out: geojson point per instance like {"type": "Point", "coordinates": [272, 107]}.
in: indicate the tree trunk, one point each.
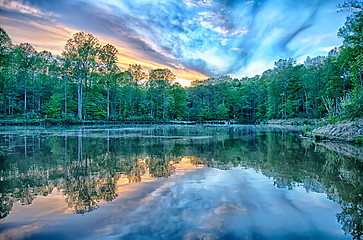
{"type": "Point", "coordinates": [285, 103]}
{"type": "Point", "coordinates": [113, 99]}
{"type": "Point", "coordinates": [33, 90]}
{"type": "Point", "coordinates": [164, 106]}
{"type": "Point", "coordinates": [307, 103]}
{"type": "Point", "coordinates": [336, 103]}
{"type": "Point", "coordinates": [4, 100]}
{"type": "Point", "coordinates": [108, 102]}
{"type": "Point", "coordinates": [282, 110]}
{"type": "Point", "coordinates": [344, 86]}
{"type": "Point", "coordinates": [25, 94]}
{"type": "Point", "coordinates": [65, 97]}
{"type": "Point", "coordinates": [85, 99]}
{"type": "Point", "coordinates": [38, 100]}
{"type": "Point", "coordinates": [11, 106]}
{"type": "Point", "coordinates": [79, 99]}
{"type": "Point", "coordinates": [130, 99]}
{"type": "Point", "coordinates": [119, 103]}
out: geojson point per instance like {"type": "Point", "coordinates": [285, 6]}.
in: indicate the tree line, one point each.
{"type": "Point", "coordinates": [85, 83]}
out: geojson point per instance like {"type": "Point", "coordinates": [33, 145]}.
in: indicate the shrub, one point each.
{"type": "Point", "coordinates": [348, 107]}
{"type": "Point", "coordinates": [359, 140]}
{"type": "Point", "coordinates": [319, 137]}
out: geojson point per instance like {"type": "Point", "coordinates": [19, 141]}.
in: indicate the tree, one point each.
{"type": "Point", "coordinates": [222, 112]}
{"type": "Point", "coordinates": [25, 58]}
{"type": "Point", "coordinates": [283, 78]}
{"type": "Point", "coordinates": [108, 56]}
{"type": "Point", "coordinates": [82, 49]}
{"type": "Point", "coordinates": [46, 66]}
{"type": "Point", "coordinates": [159, 83]}
{"type": "Point", "coordinates": [179, 103]}
{"type": "Point", "coordinates": [352, 32]}
{"type": "Point", "coordinates": [136, 76]}
{"type": "Point", "coordinates": [5, 65]}
{"type": "Point", "coordinates": [5, 49]}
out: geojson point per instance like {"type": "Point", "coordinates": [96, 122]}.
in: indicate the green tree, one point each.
{"type": "Point", "coordinates": [82, 50]}
{"type": "Point", "coordinates": [55, 106]}
{"type": "Point", "coordinates": [159, 83]}
{"type": "Point", "coordinates": [108, 56]}
{"type": "Point", "coordinates": [352, 32]}
{"type": "Point", "coordinates": [25, 58]}
{"type": "Point", "coordinates": [6, 54]}
{"type": "Point", "coordinates": [179, 103]}
{"type": "Point", "coordinates": [222, 112]}
{"type": "Point", "coordinates": [136, 76]}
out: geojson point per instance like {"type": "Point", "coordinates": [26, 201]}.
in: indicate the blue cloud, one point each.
{"type": "Point", "coordinates": [213, 37]}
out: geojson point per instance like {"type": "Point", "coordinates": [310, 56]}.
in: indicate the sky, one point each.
{"type": "Point", "coordinates": [195, 39]}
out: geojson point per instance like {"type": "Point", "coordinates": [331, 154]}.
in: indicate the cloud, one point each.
{"type": "Point", "coordinates": [21, 7]}
{"type": "Point", "coordinates": [210, 37]}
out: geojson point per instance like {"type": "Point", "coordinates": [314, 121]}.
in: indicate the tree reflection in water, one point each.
{"type": "Point", "coordinates": [85, 165]}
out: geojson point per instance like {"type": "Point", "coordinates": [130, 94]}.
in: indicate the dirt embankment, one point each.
{"type": "Point", "coordinates": [292, 121]}
{"type": "Point", "coordinates": [350, 131]}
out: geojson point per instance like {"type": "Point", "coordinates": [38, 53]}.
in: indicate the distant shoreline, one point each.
{"type": "Point", "coordinates": [69, 121]}
{"type": "Point", "coordinates": [349, 131]}
{"type": "Point", "coordinates": [59, 122]}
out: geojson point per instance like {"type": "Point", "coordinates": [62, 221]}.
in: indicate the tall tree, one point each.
{"type": "Point", "coordinates": [352, 32]}
{"type": "Point", "coordinates": [179, 103]}
{"type": "Point", "coordinates": [5, 65]}
{"type": "Point", "coordinates": [137, 75]}
{"type": "Point", "coordinates": [108, 56]}
{"type": "Point", "coordinates": [25, 58]}
{"type": "Point", "coordinates": [82, 49]}
{"type": "Point", "coordinates": [159, 83]}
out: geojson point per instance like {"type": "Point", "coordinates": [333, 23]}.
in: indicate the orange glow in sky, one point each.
{"type": "Point", "coordinates": [194, 39]}
{"type": "Point", "coordinates": [53, 39]}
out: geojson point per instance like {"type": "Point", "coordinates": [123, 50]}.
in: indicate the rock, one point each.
{"type": "Point", "coordinates": [346, 130]}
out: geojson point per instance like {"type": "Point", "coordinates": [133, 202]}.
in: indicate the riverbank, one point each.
{"type": "Point", "coordinates": [72, 121]}
{"type": "Point", "coordinates": [347, 131]}
{"type": "Point", "coordinates": [293, 122]}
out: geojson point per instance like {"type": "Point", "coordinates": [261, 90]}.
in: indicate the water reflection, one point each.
{"type": "Point", "coordinates": [87, 165]}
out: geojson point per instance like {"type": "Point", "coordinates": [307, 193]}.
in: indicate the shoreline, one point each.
{"type": "Point", "coordinates": [71, 121]}
{"type": "Point", "coordinates": [349, 131]}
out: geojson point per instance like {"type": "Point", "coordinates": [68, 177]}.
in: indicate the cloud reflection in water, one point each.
{"type": "Point", "coordinates": [218, 204]}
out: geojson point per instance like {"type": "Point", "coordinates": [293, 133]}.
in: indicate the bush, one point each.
{"type": "Point", "coordinates": [359, 140]}
{"type": "Point", "coordinates": [355, 110]}
{"type": "Point", "coordinates": [306, 122]}
{"type": "Point", "coordinates": [319, 137]}
{"type": "Point", "coordinates": [349, 107]}
{"type": "Point", "coordinates": [307, 130]}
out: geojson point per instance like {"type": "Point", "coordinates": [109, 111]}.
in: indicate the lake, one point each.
{"type": "Point", "coordinates": [177, 182]}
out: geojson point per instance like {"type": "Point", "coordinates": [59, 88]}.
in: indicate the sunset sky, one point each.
{"type": "Point", "coordinates": [196, 39]}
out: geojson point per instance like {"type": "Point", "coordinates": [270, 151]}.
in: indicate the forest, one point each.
{"type": "Point", "coordinates": [85, 83]}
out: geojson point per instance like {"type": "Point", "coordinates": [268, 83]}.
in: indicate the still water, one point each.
{"type": "Point", "coordinates": [177, 182]}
